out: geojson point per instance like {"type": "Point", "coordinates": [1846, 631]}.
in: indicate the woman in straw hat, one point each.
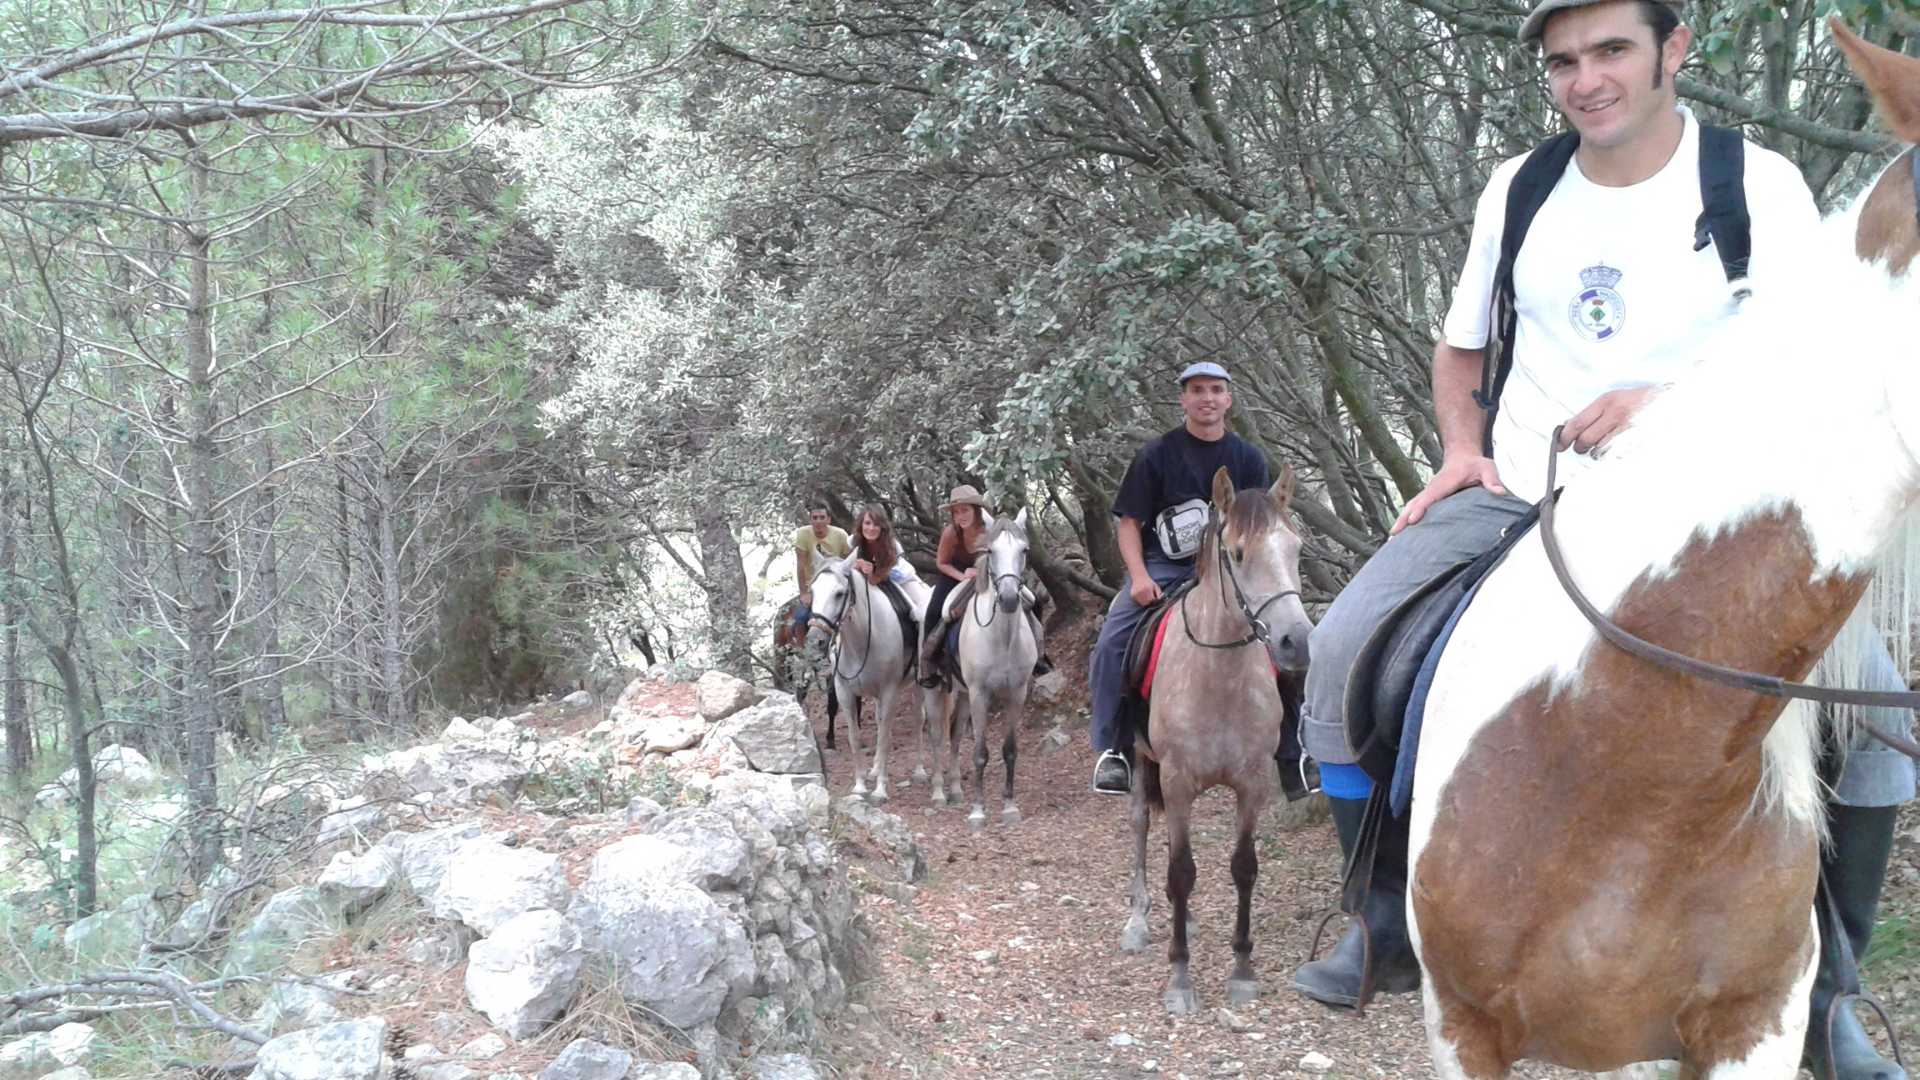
{"type": "Point", "coordinates": [961, 543]}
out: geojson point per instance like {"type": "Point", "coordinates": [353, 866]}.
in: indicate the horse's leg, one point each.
{"type": "Point", "coordinates": [853, 744]}
{"type": "Point", "coordinates": [1242, 987]}
{"type": "Point", "coordinates": [1139, 899]}
{"type": "Point", "coordinates": [955, 736]}
{"type": "Point", "coordinates": [1012, 715]}
{"type": "Point", "coordinates": [978, 701]}
{"type": "Point", "coordinates": [1179, 997]}
{"type": "Point", "coordinates": [882, 737]}
{"type": "Point", "coordinates": [925, 696]}
{"type": "Point", "coordinates": [1465, 1042]}
{"type": "Point", "coordinates": [833, 708]}
{"type": "Point", "coordinates": [936, 734]}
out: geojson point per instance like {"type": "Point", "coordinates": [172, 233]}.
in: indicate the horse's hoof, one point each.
{"type": "Point", "coordinates": [859, 790]}
{"type": "Point", "coordinates": [1133, 939]}
{"type": "Point", "coordinates": [1180, 1002]}
{"type": "Point", "coordinates": [1242, 991]}
{"type": "Point", "coordinates": [920, 773]}
{"type": "Point", "coordinates": [879, 796]}
{"type": "Point", "coordinates": [1010, 815]}
{"type": "Point", "coordinates": [977, 820]}
{"type": "Point", "coordinates": [939, 797]}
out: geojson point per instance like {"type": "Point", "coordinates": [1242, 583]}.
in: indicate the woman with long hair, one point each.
{"type": "Point", "coordinates": [875, 552]}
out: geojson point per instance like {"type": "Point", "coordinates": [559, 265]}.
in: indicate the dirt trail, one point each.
{"type": "Point", "coordinates": [1006, 962]}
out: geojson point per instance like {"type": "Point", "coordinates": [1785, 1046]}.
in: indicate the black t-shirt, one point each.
{"type": "Point", "coordinates": [1176, 467]}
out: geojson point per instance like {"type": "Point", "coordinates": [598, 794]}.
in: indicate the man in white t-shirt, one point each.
{"type": "Point", "coordinates": [1611, 301]}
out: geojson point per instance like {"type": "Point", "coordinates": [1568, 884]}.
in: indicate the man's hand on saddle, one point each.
{"type": "Point", "coordinates": [1456, 474]}
{"type": "Point", "coordinates": [972, 572]}
{"type": "Point", "coordinates": [1144, 590]}
{"type": "Point", "coordinates": [1594, 426]}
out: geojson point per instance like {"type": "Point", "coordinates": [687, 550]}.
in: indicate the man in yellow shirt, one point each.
{"type": "Point", "coordinates": [812, 543]}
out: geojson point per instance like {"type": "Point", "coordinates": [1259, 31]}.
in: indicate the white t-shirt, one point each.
{"type": "Point", "coordinates": [1608, 290]}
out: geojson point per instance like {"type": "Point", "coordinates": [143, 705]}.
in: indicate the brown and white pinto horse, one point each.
{"type": "Point", "coordinates": [1615, 863]}
{"type": "Point", "coordinates": [1215, 716]}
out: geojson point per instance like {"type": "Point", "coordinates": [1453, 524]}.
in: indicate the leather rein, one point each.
{"type": "Point", "coordinates": [1769, 685]}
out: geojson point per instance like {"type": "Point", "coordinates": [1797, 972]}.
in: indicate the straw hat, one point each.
{"type": "Point", "coordinates": [964, 495]}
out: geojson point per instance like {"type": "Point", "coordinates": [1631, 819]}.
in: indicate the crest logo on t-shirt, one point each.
{"type": "Point", "coordinates": [1598, 311]}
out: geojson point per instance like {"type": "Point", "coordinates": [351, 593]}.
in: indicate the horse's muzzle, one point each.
{"type": "Point", "coordinates": [1287, 644]}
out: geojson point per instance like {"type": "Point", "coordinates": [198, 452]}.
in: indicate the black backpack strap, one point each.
{"type": "Point", "coordinates": [1723, 203]}
{"type": "Point", "coordinates": [1531, 185]}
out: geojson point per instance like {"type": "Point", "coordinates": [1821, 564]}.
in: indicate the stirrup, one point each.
{"type": "Point", "coordinates": [1126, 765]}
{"type": "Point", "coordinates": [1839, 1002]}
{"type": "Point", "coordinates": [1365, 992]}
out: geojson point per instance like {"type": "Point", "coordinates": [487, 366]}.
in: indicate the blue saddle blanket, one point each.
{"type": "Point", "coordinates": [1393, 672]}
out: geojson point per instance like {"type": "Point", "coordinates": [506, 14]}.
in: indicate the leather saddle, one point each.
{"type": "Point", "coordinates": [909, 626]}
{"type": "Point", "coordinates": [1386, 689]}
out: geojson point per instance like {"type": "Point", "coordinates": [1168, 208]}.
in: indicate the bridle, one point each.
{"type": "Point", "coordinates": [1019, 576]}
{"type": "Point", "coordinates": [1769, 685]}
{"type": "Point", "coordinates": [833, 625]}
{"type": "Point", "coordinates": [1257, 628]}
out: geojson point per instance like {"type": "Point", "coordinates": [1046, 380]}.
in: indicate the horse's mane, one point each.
{"type": "Point", "coordinates": [1252, 514]}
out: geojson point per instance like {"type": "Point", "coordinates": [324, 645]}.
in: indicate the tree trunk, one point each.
{"type": "Point", "coordinates": [393, 645]}
{"type": "Point", "coordinates": [203, 572]}
{"type": "Point", "coordinates": [269, 691]}
{"type": "Point", "coordinates": [13, 718]}
{"type": "Point", "coordinates": [1096, 512]}
{"type": "Point", "coordinates": [73, 699]}
{"type": "Point", "coordinates": [726, 588]}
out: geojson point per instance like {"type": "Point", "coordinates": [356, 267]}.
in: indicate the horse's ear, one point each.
{"type": "Point", "coordinates": [1892, 79]}
{"type": "Point", "coordinates": [1020, 519]}
{"type": "Point", "coordinates": [1222, 489]}
{"type": "Point", "coordinates": [1282, 490]}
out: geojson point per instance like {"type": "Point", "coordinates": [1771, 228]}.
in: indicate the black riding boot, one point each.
{"type": "Point", "coordinates": [1336, 979]}
{"type": "Point", "coordinates": [1851, 871]}
{"type": "Point", "coordinates": [932, 641]}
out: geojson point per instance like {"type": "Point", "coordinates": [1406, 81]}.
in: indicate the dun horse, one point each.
{"type": "Point", "coordinates": [867, 658]}
{"type": "Point", "coordinates": [1215, 715]}
{"type": "Point", "coordinates": [1613, 862]}
{"type": "Point", "coordinates": [996, 655]}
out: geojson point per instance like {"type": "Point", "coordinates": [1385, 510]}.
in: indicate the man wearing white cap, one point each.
{"type": "Point", "coordinates": [1610, 298]}
{"type": "Point", "coordinates": [1160, 515]}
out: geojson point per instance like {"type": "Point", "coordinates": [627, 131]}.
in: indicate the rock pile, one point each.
{"type": "Point", "coordinates": [715, 903]}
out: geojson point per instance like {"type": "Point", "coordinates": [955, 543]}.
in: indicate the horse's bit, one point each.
{"type": "Point", "coordinates": [1257, 629]}
{"type": "Point", "coordinates": [1769, 685]}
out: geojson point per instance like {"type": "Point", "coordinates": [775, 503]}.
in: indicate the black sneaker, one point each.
{"type": "Point", "coordinates": [1112, 775]}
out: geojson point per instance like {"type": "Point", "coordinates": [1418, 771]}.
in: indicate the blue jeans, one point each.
{"type": "Point", "coordinates": [1107, 668]}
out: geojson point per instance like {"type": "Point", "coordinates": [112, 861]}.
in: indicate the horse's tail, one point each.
{"type": "Point", "coordinates": [1149, 780]}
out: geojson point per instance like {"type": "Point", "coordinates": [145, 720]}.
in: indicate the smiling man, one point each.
{"type": "Point", "coordinates": [1610, 299]}
{"type": "Point", "coordinates": [1159, 517]}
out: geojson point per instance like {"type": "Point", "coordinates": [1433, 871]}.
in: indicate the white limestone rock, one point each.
{"type": "Point", "coordinates": [347, 1050]}
{"type": "Point", "coordinates": [720, 695]}
{"type": "Point", "coordinates": [523, 975]}
{"type": "Point", "coordinates": [584, 1059]}
{"type": "Point", "coordinates": [488, 883]}
{"type": "Point", "coordinates": [675, 950]}
{"type": "Point", "coordinates": [774, 735]}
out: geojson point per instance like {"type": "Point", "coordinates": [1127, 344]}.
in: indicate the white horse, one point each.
{"type": "Point", "coordinates": [997, 650]}
{"type": "Point", "coordinates": [868, 656]}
